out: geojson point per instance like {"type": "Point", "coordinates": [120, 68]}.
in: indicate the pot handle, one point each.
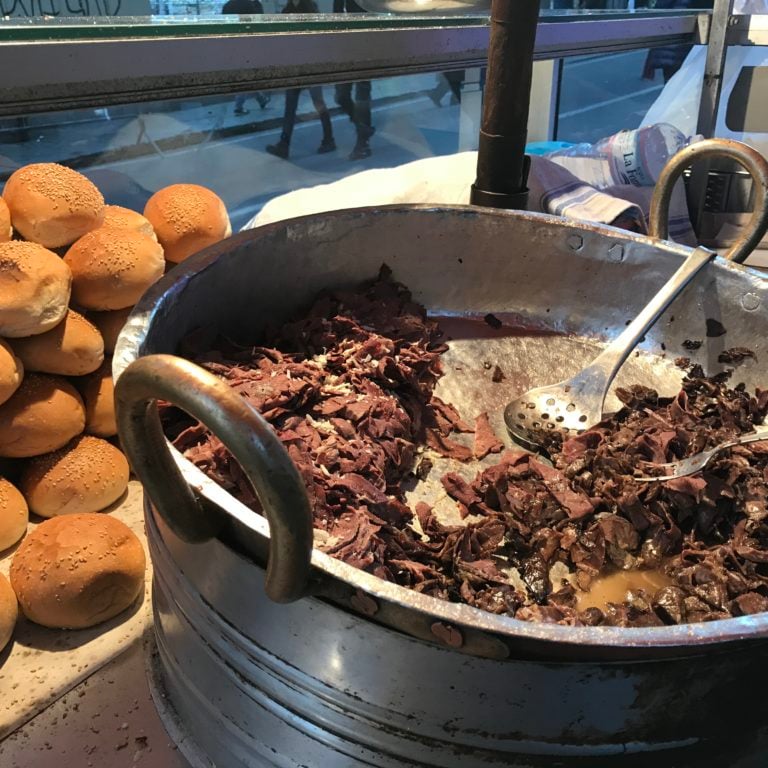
{"type": "Point", "coordinates": [750, 159]}
{"type": "Point", "coordinates": [246, 434]}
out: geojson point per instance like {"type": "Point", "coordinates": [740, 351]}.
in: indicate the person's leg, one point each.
{"type": "Point", "coordinates": [289, 117]}
{"type": "Point", "coordinates": [363, 125]}
{"type": "Point", "coordinates": [263, 99]}
{"type": "Point", "coordinates": [240, 105]}
{"type": "Point", "coordinates": [282, 147]}
{"type": "Point", "coordinates": [327, 144]}
{"type": "Point", "coordinates": [437, 93]}
{"type": "Point", "coordinates": [343, 97]}
{"type": "Point", "coordinates": [455, 80]}
{"type": "Point", "coordinates": [363, 107]}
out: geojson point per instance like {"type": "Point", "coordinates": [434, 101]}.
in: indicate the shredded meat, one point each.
{"type": "Point", "coordinates": [348, 388]}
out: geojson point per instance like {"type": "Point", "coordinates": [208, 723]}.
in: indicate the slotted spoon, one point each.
{"type": "Point", "coordinates": [699, 461]}
{"type": "Point", "coordinates": [576, 404]}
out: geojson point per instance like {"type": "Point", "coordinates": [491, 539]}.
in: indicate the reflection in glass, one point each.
{"type": "Point", "coordinates": [603, 94]}
{"type": "Point", "coordinates": [221, 142]}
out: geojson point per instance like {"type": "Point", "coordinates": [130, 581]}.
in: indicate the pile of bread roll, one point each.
{"type": "Point", "coordinates": [71, 269]}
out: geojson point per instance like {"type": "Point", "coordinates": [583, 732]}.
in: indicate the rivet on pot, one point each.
{"type": "Point", "coordinates": [447, 634]}
{"type": "Point", "coordinates": [616, 252]}
{"type": "Point", "coordinates": [575, 242]}
{"type": "Point", "coordinates": [364, 603]}
{"type": "Point", "coordinates": [750, 301]}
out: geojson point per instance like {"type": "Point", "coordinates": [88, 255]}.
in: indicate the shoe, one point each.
{"type": "Point", "coordinates": [263, 100]}
{"type": "Point", "coordinates": [435, 98]}
{"type": "Point", "coordinates": [281, 149]}
{"type": "Point", "coordinates": [327, 145]}
{"type": "Point", "coordinates": [360, 152]}
{"type": "Point", "coordinates": [242, 111]}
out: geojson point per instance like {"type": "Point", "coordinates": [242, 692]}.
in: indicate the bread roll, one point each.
{"type": "Point", "coordinates": [110, 324]}
{"type": "Point", "coordinates": [111, 268]}
{"type": "Point", "coordinates": [34, 289]}
{"type": "Point", "coordinates": [73, 348]}
{"type": "Point", "coordinates": [124, 218]}
{"type": "Point", "coordinates": [6, 230]}
{"type": "Point", "coordinates": [52, 205]}
{"type": "Point", "coordinates": [98, 393]}
{"type": "Point", "coordinates": [11, 371]}
{"type": "Point", "coordinates": [86, 475]}
{"type": "Point", "coordinates": [187, 218]}
{"type": "Point", "coordinates": [9, 611]}
{"type": "Point", "coordinates": [76, 571]}
{"type": "Point", "coordinates": [14, 514]}
{"type": "Point", "coordinates": [44, 414]}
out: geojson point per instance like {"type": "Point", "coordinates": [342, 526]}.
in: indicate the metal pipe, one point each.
{"type": "Point", "coordinates": [502, 166]}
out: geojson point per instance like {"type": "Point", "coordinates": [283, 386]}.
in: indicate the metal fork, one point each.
{"type": "Point", "coordinates": [697, 462]}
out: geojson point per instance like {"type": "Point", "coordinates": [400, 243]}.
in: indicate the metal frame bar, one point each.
{"type": "Point", "coordinates": [47, 75]}
{"type": "Point", "coordinates": [717, 50]}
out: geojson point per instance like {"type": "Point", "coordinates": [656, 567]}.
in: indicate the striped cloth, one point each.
{"type": "Point", "coordinates": [555, 189]}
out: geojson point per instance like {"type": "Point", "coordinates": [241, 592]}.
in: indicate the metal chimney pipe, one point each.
{"type": "Point", "coordinates": [502, 166]}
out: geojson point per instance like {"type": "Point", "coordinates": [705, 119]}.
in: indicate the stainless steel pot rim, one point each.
{"type": "Point", "coordinates": [129, 346]}
{"type": "Point", "coordinates": [453, 614]}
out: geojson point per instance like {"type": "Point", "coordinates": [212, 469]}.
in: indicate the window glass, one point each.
{"type": "Point", "coordinates": [243, 147]}
{"type": "Point", "coordinates": [603, 94]}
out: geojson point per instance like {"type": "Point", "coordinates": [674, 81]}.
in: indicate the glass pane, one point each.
{"type": "Point", "coordinates": [600, 95]}
{"type": "Point", "coordinates": [223, 142]}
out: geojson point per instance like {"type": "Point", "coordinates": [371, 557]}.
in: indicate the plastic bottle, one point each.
{"type": "Point", "coordinates": [629, 157]}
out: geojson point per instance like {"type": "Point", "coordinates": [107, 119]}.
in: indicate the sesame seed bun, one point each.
{"type": "Point", "coordinates": [34, 289]}
{"type": "Point", "coordinates": [11, 371]}
{"type": "Point", "coordinates": [52, 205]}
{"type": "Point", "coordinates": [73, 348]}
{"type": "Point", "coordinates": [124, 218]}
{"type": "Point", "coordinates": [86, 475]}
{"type": "Point", "coordinates": [14, 515]}
{"type": "Point", "coordinates": [9, 611]}
{"type": "Point", "coordinates": [110, 324]}
{"type": "Point", "coordinates": [187, 218]}
{"type": "Point", "coordinates": [76, 571]}
{"type": "Point", "coordinates": [6, 230]}
{"type": "Point", "coordinates": [98, 393]}
{"type": "Point", "coordinates": [44, 414]}
{"type": "Point", "coordinates": [111, 268]}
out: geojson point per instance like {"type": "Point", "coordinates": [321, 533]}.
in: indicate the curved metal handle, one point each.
{"type": "Point", "coordinates": [750, 159]}
{"type": "Point", "coordinates": [248, 437]}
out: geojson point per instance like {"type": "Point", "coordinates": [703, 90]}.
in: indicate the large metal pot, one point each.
{"type": "Point", "coordinates": [360, 672]}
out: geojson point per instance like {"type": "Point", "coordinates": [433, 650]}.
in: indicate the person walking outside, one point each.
{"type": "Point", "coordinates": [246, 8]}
{"type": "Point", "coordinates": [283, 147]}
{"type": "Point", "coordinates": [358, 109]}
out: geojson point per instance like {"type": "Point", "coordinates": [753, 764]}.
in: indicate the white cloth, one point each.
{"type": "Point", "coordinates": [437, 180]}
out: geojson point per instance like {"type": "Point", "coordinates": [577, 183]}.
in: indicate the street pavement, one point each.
{"type": "Point", "coordinates": [133, 150]}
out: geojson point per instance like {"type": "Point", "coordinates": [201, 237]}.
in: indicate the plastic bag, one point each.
{"type": "Point", "coordinates": [678, 103]}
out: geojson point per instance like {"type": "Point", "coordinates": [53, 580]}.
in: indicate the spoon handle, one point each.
{"type": "Point", "coordinates": [613, 356]}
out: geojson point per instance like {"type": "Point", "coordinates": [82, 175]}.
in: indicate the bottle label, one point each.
{"type": "Point", "coordinates": [627, 160]}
